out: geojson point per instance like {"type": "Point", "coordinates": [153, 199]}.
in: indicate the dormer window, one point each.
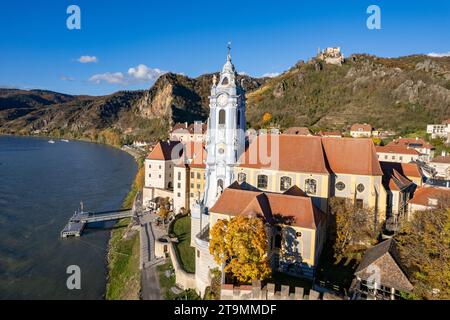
{"type": "Point", "coordinates": [432, 202]}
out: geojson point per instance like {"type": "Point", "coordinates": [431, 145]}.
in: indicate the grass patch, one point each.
{"type": "Point", "coordinates": [124, 275]}
{"type": "Point", "coordinates": [166, 283]}
{"type": "Point", "coordinates": [186, 254]}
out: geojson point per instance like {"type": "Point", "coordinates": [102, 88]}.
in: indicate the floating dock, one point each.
{"type": "Point", "coordinates": [77, 223]}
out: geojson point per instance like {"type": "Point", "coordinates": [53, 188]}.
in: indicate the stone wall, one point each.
{"type": "Point", "coordinates": [183, 279]}
{"type": "Point", "coordinates": [258, 292]}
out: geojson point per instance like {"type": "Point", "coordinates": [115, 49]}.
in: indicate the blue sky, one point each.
{"type": "Point", "coordinates": [190, 37]}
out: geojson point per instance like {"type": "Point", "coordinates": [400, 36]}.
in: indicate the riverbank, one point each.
{"type": "Point", "coordinates": [123, 282]}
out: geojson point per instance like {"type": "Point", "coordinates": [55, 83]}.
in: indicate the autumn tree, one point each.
{"type": "Point", "coordinates": [241, 245]}
{"type": "Point", "coordinates": [354, 227]}
{"type": "Point", "coordinates": [266, 118]}
{"type": "Point", "coordinates": [424, 246]}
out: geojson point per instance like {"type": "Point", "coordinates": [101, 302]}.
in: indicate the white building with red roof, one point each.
{"type": "Point", "coordinates": [397, 153]}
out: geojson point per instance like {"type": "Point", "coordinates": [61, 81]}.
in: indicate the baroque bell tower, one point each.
{"type": "Point", "coordinates": [225, 140]}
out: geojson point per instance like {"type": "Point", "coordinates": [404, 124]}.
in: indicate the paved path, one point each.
{"type": "Point", "coordinates": [150, 289]}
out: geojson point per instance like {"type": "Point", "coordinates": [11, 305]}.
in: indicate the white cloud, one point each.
{"type": "Point", "coordinates": [66, 78]}
{"type": "Point", "coordinates": [113, 78]}
{"type": "Point", "coordinates": [87, 59]}
{"type": "Point", "coordinates": [143, 73]}
{"type": "Point", "coordinates": [439, 55]}
{"type": "Point", "coordinates": [270, 75]}
{"type": "Point", "coordinates": [138, 74]}
{"type": "Point", "coordinates": [243, 73]}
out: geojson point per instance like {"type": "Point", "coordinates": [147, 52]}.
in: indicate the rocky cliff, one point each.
{"type": "Point", "coordinates": [401, 94]}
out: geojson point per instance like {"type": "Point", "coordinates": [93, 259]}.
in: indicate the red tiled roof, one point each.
{"type": "Point", "coordinates": [185, 128]}
{"type": "Point", "coordinates": [396, 149]}
{"type": "Point", "coordinates": [313, 154]}
{"type": "Point", "coordinates": [291, 153]}
{"type": "Point", "coordinates": [274, 207]}
{"type": "Point", "coordinates": [352, 156]}
{"type": "Point", "coordinates": [441, 159]}
{"type": "Point", "coordinates": [330, 134]}
{"type": "Point", "coordinates": [409, 170]}
{"type": "Point", "coordinates": [301, 131]}
{"type": "Point", "coordinates": [423, 194]}
{"type": "Point", "coordinates": [163, 151]}
{"type": "Point", "coordinates": [361, 127]}
{"type": "Point", "coordinates": [411, 142]}
{"type": "Point", "coordinates": [194, 155]}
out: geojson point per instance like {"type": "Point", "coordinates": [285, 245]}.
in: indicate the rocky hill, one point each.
{"type": "Point", "coordinates": [401, 94]}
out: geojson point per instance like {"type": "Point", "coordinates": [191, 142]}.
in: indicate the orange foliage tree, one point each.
{"type": "Point", "coordinates": [267, 117]}
{"type": "Point", "coordinates": [241, 244]}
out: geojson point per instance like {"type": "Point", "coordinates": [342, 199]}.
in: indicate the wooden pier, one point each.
{"type": "Point", "coordinates": [77, 223]}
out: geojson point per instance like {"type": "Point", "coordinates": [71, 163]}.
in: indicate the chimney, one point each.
{"type": "Point", "coordinates": [186, 124]}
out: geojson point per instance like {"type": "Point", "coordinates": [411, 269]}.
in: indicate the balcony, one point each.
{"type": "Point", "coordinates": [202, 238]}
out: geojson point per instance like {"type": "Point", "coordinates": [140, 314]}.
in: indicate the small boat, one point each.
{"type": "Point", "coordinates": [51, 141]}
{"type": "Point", "coordinates": [64, 140]}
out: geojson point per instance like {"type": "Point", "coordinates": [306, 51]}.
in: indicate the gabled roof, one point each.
{"type": "Point", "coordinates": [398, 182]}
{"type": "Point", "coordinates": [163, 151]}
{"type": "Point", "coordinates": [295, 191]}
{"type": "Point", "coordinates": [424, 194]}
{"type": "Point", "coordinates": [352, 156]}
{"type": "Point", "coordinates": [384, 257]}
{"type": "Point", "coordinates": [274, 207]}
{"type": "Point", "coordinates": [409, 170]}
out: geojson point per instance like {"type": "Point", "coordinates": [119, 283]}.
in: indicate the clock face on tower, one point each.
{"type": "Point", "coordinates": [222, 99]}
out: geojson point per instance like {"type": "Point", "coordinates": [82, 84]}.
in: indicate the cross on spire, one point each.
{"type": "Point", "coordinates": [229, 50]}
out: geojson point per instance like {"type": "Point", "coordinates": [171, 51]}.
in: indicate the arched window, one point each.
{"type": "Point", "coordinates": [220, 183]}
{"type": "Point", "coordinates": [225, 81]}
{"type": "Point", "coordinates": [222, 116]}
{"type": "Point", "coordinates": [310, 186]}
{"type": "Point", "coordinates": [242, 177]}
{"type": "Point", "coordinates": [285, 183]}
{"type": "Point", "coordinates": [262, 181]}
{"type": "Point", "coordinates": [169, 185]}
{"type": "Point", "coordinates": [278, 241]}
{"type": "Point", "coordinates": [238, 118]}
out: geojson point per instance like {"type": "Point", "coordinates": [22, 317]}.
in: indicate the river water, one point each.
{"type": "Point", "coordinates": [41, 185]}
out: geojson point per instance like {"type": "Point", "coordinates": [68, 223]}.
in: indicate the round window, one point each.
{"type": "Point", "coordinates": [340, 186]}
{"type": "Point", "coordinates": [360, 187]}
{"type": "Point", "coordinates": [221, 151]}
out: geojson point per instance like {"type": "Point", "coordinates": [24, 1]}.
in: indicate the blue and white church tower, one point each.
{"type": "Point", "coordinates": [225, 142]}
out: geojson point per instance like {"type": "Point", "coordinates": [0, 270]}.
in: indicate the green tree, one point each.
{"type": "Point", "coordinates": [355, 228]}
{"type": "Point", "coordinates": [424, 245]}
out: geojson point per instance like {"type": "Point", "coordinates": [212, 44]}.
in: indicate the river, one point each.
{"type": "Point", "coordinates": [41, 185]}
